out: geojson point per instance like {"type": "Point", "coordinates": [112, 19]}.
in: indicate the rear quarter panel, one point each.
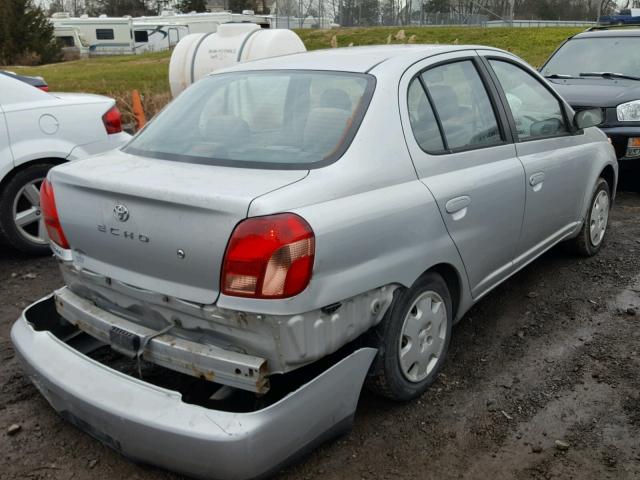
{"type": "Point", "coordinates": [52, 128]}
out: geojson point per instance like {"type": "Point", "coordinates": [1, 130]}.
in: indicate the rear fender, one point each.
{"type": "Point", "coordinates": [38, 148]}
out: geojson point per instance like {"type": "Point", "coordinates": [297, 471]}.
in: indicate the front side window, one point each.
{"type": "Point", "coordinates": [536, 112]}
{"type": "Point", "coordinates": [105, 34]}
{"type": "Point", "coordinates": [268, 119]}
{"type": "Point", "coordinates": [463, 106]}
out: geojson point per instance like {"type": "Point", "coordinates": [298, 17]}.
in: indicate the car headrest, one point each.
{"type": "Point", "coordinates": [324, 129]}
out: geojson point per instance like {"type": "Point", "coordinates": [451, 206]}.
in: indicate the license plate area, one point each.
{"type": "Point", "coordinates": [124, 342]}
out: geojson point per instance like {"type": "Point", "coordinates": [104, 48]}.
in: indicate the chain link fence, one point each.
{"type": "Point", "coordinates": [361, 13]}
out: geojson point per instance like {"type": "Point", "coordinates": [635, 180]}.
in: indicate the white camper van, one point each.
{"type": "Point", "coordinates": [72, 41]}
{"type": "Point", "coordinates": [120, 36]}
{"type": "Point", "coordinates": [104, 35]}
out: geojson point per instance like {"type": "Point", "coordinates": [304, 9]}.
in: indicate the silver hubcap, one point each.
{"type": "Point", "coordinates": [599, 218]}
{"type": "Point", "coordinates": [423, 334]}
{"type": "Point", "coordinates": [27, 214]}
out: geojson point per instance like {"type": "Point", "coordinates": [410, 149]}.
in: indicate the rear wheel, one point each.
{"type": "Point", "coordinates": [21, 221]}
{"type": "Point", "coordinates": [413, 340]}
{"type": "Point", "coordinates": [591, 237]}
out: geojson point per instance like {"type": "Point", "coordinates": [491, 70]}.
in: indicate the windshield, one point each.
{"type": "Point", "coordinates": [262, 119]}
{"type": "Point", "coordinates": [588, 55]}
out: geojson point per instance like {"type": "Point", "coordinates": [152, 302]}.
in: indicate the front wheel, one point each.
{"type": "Point", "coordinates": [591, 237]}
{"type": "Point", "coordinates": [21, 221]}
{"type": "Point", "coordinates": [412, 340]}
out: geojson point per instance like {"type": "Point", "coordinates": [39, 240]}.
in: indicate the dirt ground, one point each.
{"type": "Point", "coordinates": [551, 355]}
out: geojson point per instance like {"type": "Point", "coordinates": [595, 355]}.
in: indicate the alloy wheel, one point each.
{"type": "Point", "coordinates": [27, 214]}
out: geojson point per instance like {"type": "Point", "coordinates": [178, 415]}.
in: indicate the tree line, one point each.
{"type": "Point", "coordinates": [394, 12]}
{"type": "Point", "coordinates": [26, 34]}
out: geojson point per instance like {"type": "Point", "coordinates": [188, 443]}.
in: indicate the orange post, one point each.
{"type": "Point", "coordinates": [138, 110]}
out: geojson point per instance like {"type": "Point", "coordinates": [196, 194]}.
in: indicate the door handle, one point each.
{"type": "Point", "coordinates": [536, 179]}
{"type": "Point", "coordinates": [457, 207]}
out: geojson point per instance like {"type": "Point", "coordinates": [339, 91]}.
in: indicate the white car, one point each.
{"type": "Point", "coordinates": [39, 130]}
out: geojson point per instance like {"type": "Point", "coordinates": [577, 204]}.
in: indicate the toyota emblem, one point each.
{"type": "Point", "coordinates": [121, 212]}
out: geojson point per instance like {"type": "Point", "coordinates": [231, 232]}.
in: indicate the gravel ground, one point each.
{"type": "Point", "coordinates": [543, 381]}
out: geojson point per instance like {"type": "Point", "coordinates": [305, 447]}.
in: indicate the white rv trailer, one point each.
{"type": "Point", "coordinates": [205, 22]}
{"type": "Point", "coordinates": [120, 36]}
{"type": "Point", "coordinates": [104, 35]}
{"type": "Point", "coordinates": [72, 42]}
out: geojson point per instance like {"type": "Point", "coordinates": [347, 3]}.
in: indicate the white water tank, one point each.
{"type": "Point", "coordinates": [199, 54]}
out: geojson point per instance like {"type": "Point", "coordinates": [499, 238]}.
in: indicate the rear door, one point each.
{"type": "Point", "coordinates": [462, 150]}
{"type": "Point", "coordinates": [552, 154]}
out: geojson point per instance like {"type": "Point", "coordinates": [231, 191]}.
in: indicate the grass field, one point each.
{"type": "Point", "coordinates": [117, 76]}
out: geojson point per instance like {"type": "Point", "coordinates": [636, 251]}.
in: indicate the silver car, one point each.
{"type": "Point", "coordinates": [291, 228]}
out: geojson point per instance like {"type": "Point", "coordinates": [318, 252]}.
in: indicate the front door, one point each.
{"type": "Point", "coordinates": [551, 154]}
{"type": "Point", "coordinates": [461, 148]}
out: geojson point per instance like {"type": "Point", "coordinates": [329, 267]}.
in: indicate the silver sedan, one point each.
{"type": "Point", "coordinates": [291, 228]}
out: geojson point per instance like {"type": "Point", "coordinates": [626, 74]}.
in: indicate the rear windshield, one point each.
{"type": "Point", "coordinates": [262, 119]}
{"type": "Point", "coordinates": [596, 54]}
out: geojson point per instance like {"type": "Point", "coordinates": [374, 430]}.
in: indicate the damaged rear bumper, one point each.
{"type": "Point", "coordinates": [153, 425]}
{"type": "Point", "coordinates": [213, 363]}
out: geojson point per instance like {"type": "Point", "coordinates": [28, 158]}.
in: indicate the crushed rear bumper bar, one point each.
{"type": "Point", "coordinates": [212, 363]}
{"type": "Point", "coordinates": [153, 425]}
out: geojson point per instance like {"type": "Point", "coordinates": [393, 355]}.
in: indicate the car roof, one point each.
{"type": "Point", "coordinates": [605, 33]}
{"type": "Point", "coordinates": [350, 59]}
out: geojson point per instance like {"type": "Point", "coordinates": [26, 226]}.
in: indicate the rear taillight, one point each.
{"type": "Point", "coordinates": [50, 215]}
{"type": "Point", "coordinates": [112, 120]}
{"type": "Point", "coordinates": [269, 257]}
{"type": "Point", "coordinates": [44, 88]}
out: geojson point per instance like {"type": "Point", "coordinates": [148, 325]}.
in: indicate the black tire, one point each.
{"type": "Point", "coordinates": [8, 227]}
{"type": "Point", "coordinates": [387, 377]}
{"type": "Point", "coordinates": [583, 245]}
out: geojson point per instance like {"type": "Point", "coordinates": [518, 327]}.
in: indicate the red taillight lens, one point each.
{"type": "Point", "coordinates": [112, 120]}
{"type": "Point", "coordinates": [269, 257]}
{"type": "Point", "coordinates": [44, 88]}
{"type": "Point", "coordinates": [50, 215]}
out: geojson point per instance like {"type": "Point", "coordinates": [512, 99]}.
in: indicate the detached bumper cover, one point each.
{"type": "Point", "coordinates": [153, 425]}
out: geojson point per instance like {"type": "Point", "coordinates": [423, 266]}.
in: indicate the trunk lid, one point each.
{"type": "Point", "coordinates": [81, 98]}
{"type": "Point", "coordinates": [155, 224]}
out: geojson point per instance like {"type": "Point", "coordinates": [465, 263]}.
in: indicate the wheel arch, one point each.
{"type": "Point", "coordinates": [609, 174]}
{"type": "Point", "coordinates": [23, 166]}
{"type": "Point", "coordinates": [453, 279]}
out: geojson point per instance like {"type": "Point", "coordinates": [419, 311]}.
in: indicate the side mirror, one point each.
{"type": "Point", "coordinates": [588, 118]}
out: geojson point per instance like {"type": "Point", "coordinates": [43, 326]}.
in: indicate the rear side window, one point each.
{"type": "Point", "coordinates": [462, 105]}
{"type": "Point", "coordinates": [536, 112]}
{"type": "Point", "coordinates": [104, 34]}
{"type": "Point", "coordinates": [423, 121]}
{"type": "Point", "coordinates": [266, 119]}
